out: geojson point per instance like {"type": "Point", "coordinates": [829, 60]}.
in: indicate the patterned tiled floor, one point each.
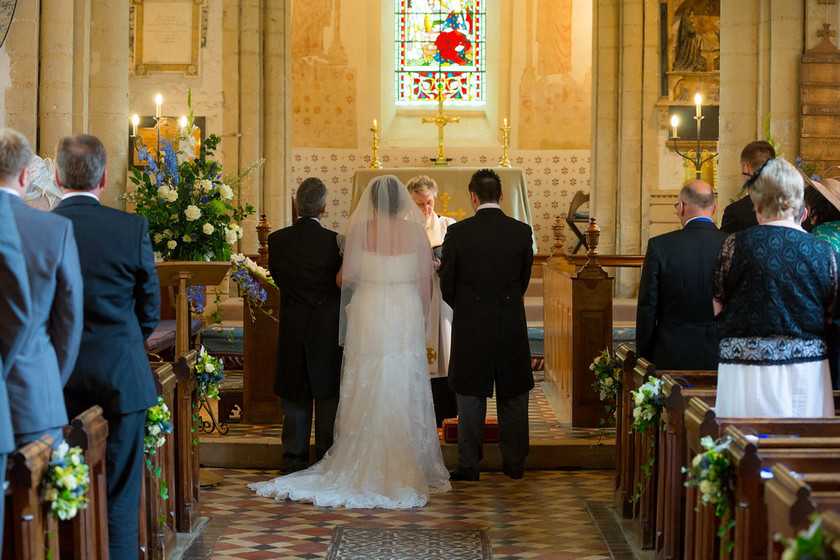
{"type": "Point", "coordinates": [542, 516]}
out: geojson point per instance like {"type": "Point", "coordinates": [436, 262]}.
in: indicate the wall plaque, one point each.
{"type": "Point", "coordinates": [167, 34]}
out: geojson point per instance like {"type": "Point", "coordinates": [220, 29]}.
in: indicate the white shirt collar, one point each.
{"type": "Point", "coordinates": [79, 193]}
{"type": "Point", "coordinates": [488, 205]}
{"type": "Point", "coordinates": [10, 190]}
{"type": "Point", "coordinates": [784, 223]}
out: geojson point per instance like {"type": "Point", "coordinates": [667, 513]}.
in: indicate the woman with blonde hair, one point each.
{"type": "Point", "coordinates": [423, 190]}
{"type": "Point", "coordinates": [775, 293]}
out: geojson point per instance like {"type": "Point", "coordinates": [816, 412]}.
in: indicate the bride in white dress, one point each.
{"type": "Point", "coordinates": [386, 452]}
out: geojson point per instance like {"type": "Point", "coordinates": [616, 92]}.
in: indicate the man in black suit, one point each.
{"type": "Point", "coordinates": [304, 261]}
{"type": "Point", "coordinates": [675, 325]}
{"type": "Point", "coordinates": [122, 308]}
{"type": "Point", "coordinates": [485, 270]}
{"type": "Point", "coordinates": [15, 315]}
{"type": "Point", "coordinates": [740, 214]}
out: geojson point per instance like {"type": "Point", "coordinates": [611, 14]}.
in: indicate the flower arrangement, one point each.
{"type": "Point", "coordinates": [710, 472]}
{"type": "Point", "coordinates": [67, 481]}
{"type": "Point", "coordinates": [244, 275]}
{"type": "Point", "coordinates": [607, 370]}
{"type": "Point", "coordinates": [648, 401]}
{"type": "Point", "coordinates": [208, 372]}
{"type": "Point", "coordinates": [191, 211]}
{"type": "Point", "coordinates": [157, 426]}
{"type": "Point", "coordinates": [810, 544]}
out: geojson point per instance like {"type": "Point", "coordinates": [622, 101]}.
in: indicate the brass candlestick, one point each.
{"type": "Point", "coordinates": [505, 128]}
{"type": "Point", "coordinates": [441, 120]}
{"type": "Point", "coordinates": [375, 163]}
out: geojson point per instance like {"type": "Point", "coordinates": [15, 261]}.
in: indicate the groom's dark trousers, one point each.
{"type": "Point", "coordinates": [304, 260]}
{"type": "Point", "coordinates": [485, 270]}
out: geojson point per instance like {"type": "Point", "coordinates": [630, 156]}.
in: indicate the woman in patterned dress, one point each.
{"type": "Point", "coordinates": [775, 292]}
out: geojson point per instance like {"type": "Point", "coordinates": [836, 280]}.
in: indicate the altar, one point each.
{"type": "Point", "coordinates": [453, 198]}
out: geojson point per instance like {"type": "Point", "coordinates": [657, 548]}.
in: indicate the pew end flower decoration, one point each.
{"type": "Point", "coordinates": [648, 401]}
{"type": "Point", "coordinates": [67, 482]}
{"type": "Point", "coordinates": [607, 371]}
{"type": "Point", "coordinates": [711, 473]}
{"type": "Point", "coordinates": [810, 544]}
{"type": "Point", "coordinates": [193, 213]}
{"type": "Point", "coordinates": [208, 373]}
{"type": "Point", "coordinates": [158, 425]}
{"type": "Point", "coordinates": [247, 276]}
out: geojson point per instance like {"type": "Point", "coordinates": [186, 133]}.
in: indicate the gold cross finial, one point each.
{"type": "Point", "coordinates": [441, 120]}
{"type": "Point", "coordinates": [826, 32]}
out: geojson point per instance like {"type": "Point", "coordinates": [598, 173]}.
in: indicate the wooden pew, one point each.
{"type": "Point", "coordinates": [260, 331]}
{"type": "Point", "coordinates": [186, 487]}
{"type": "Point", "coordinates": [677, 388]}
{"type": "Point", "coordinates": [792, 498]}
{"type": "Point", "coordinates": [750, 535]}
{"type": "Point", "coordinates": [31, 530]}
{"type": "Point", "coordinates": [624, 441]}
{"type": "Point", "coordinates": [85, 537]}
{"type": "Point", "coordinates": [646, 447]}
{"type": "Point", "coordinates": [158, 514]}
{"type": "Point", "coordinates": [815, 446]}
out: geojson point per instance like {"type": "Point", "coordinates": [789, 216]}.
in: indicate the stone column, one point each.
{"type": "Point", "coordinates": [22, 47]}
{"type": "Point", "coordinates": [81, 66]}
{"type": "Point", "coordinates": [109, 91]}
{"type": "Point", "coordinates": [55, 106]}
{"type": "Point", "coordinates": [787, 21]}
{"type": "Point", "coordinates": [276, 192]}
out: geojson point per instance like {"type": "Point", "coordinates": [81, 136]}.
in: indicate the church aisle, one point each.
{"type": "Point", "coordinates": [542, 516]}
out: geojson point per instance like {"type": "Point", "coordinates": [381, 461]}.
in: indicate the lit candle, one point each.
{"type": "Point", "coordinates": [158, 103]}
{"type": "Point", "coordinates": [675, 122]}
{"type": "Point", "coordinates": [374, 123]}
{"type": "Point", "coordinates": [135, 120]}
{"type": "Point", "coordinates": [697, 101]}
{"type": "Point", "coordinates": [183, 122]}
{"type": "Point", "coordinates": [504, 122]}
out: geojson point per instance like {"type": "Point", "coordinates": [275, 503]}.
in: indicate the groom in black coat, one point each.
{"type": "Point", "coordinates": [485, 270]}
{"type": "Point", "coordinates": [304, 261]}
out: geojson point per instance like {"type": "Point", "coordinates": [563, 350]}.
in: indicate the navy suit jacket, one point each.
{"type": "Point", "coordinates": [675, 324]}
{"type": "Point", "coordinates": [304, 260]}
{"type": "Point", "coordinates": [14, 313]}
{"type": "Point", "coordinates": [122, 308]}
{"type": "Point", "coordinates": [738, 216]}
{"type": "Point", "coordinates": [47, 357]}
{"type": "Point", "coordinates": [485, 269]}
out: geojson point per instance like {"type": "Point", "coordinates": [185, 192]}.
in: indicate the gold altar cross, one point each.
{"type": "Point", "coordinates": [457, 214]}
{"type": "Point", "coordinates": [441, 120]}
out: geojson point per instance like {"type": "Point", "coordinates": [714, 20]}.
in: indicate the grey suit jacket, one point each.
{"type": "Point", "coordinates": [14, 313]}
{"type": "Point", "coordinates": [36, 379]}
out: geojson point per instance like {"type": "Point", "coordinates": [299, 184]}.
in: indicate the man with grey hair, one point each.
{"type": "Point", "coordinates": [304, 261]}
{"type": "Point", "coordinates": [36, 379]}
{"type": "Point", "coordinates": [675, 326]}
{"type": "Point", "coordinates": [121, 309]}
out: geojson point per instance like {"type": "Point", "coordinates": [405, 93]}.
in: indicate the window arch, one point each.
{"type": "Point", "coordinates": [440, 44]}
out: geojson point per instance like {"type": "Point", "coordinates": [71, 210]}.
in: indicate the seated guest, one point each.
{"type": "Point", "coordinates": [775, 293]}
{"type": "Point", "coordinates": [675, 322]}
{"type": "Point", "coordinates": [423, 190]}
{"type": "Point", "coordinates": [121, 310]}
{"type": "Point", "coordinates": [37, 377]}
{"type": "Point", "coordinates": [741, 214]}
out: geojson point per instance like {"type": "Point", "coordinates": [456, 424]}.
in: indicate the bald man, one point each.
{"type": "Point", "coordinates": [675, 327]}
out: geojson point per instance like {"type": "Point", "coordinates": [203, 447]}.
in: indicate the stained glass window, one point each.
{"type": "Point", "coordinates": [440, 43]}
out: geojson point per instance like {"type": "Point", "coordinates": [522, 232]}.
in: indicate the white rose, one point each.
{"type": "Point", "coordinates": [163, 192]}
{"type": "Point", "coordinates": [154, 429]}
{"type": "Point", "coordinates": [192, 213]}
{"type": "Point", "coordinates": [171, 196]}
{"type": "Point", "coordinates": [225, 191]}
{"type": "Point", "coordinates": [68, 481]}
{"type": "Point", "coordinates": [230, 236]}
{"type": "Point", "coordinates": [639, 397]}
{"type": "Point", "coordinates": [636, 413]}
{"type": "Point", "coordinates": [206, 185]}
{"type": "Point", "coordinates": [209, 367]}
{"type": "Point", "coordinates": [172, 244]}
{"type": "Point", "coordinates": [208, 229]}
{"type": "Point", "coordinates": [705, 486]}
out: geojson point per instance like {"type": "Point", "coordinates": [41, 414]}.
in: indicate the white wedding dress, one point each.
{"type": "Point", "coordinates": [386, 452]}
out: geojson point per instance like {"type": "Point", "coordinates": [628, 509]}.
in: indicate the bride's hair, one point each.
{"type": "Point", "coordinates": [385, 194]}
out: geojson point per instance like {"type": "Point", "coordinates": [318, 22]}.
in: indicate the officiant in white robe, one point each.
{"type": "Point", "coordinates": [423, 190]}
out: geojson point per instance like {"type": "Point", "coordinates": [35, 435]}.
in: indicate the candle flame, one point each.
{"type": "Point", "coordinates": [183, 122]}
{"type": "Point", "coordinates": [135, 119]}
{"type": "Point", "coordinates": [697, 99]}
{"type": "Point", "coordinates": [675, 121]}
{"type": "Point", "coordinates": [158, 99]}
